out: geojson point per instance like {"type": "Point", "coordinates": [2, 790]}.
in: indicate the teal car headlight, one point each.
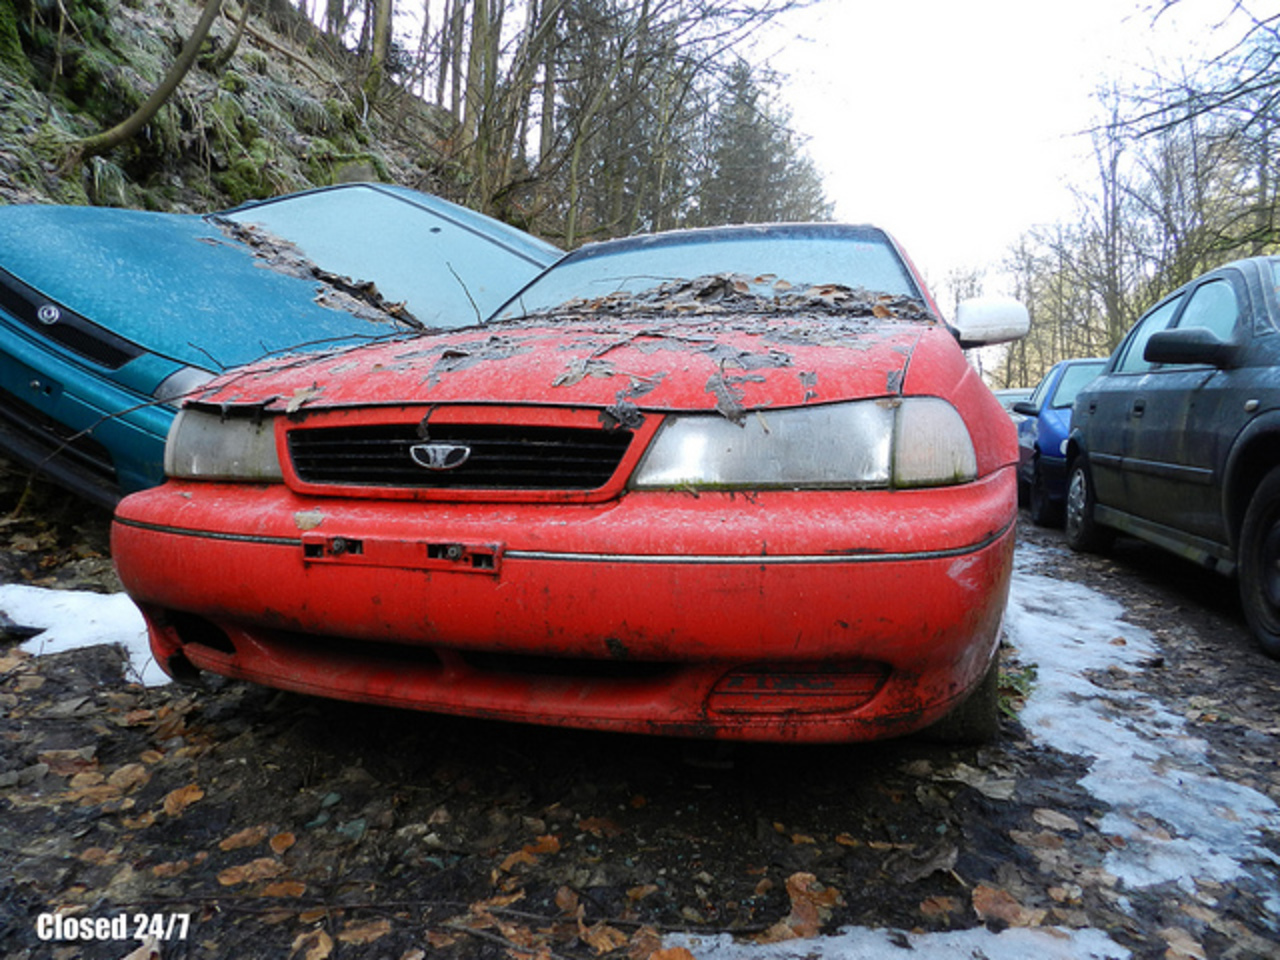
{"type": "Point", "coordinates": [913, 442]}
{"type": "Point", "coordinates": [206, 446]}
{"type": "Point", "coordinates": [181, 382]}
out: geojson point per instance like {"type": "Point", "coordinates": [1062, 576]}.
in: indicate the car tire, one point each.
{"type": "Point", "coordinates": [1044, 512]}
{"type": "Point", "coordinates": [1083, 533]}
{"type": "Point", "coordinates": [977, 719]}
{"type": "Point", "coordinates": [1259, 568]}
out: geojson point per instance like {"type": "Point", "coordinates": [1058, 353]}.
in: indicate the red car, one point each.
{"type": "Point", "coordinates": [736, 483]}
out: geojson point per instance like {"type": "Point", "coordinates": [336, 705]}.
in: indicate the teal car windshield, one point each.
{"type": "Point", "coordinates": [773, 259]}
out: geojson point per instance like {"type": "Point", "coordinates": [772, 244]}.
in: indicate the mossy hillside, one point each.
{"type": "Point", "coordinates": [271, 118]}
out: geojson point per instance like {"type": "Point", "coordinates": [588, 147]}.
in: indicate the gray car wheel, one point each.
{"type": "Point", "coordinates": [1082, 531]}
{"type": "Point", "coordinates": [1260, 564]}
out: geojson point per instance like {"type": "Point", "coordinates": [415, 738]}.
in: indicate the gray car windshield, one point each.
{"type": "Point", "coordinates": [446, 270]}
{"type": "Point", "coordinates": [771, 260]}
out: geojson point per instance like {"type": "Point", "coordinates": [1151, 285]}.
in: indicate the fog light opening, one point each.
{"type": "Point", "coordinates": [196, 630]}
{"type": "Point", "coordinates": [776, 688]}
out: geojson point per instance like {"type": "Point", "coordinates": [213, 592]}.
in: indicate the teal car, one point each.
{"type": "Point", "coordinates": [108, 317]}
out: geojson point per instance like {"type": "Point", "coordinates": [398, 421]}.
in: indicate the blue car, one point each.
{"type": "Point", "coordinates": [109, 316]}
{"type": "Point", "coordinates": [1042, 437]}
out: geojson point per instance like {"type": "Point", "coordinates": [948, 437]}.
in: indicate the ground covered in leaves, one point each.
{"type": "Point", "coordinates": [238, 821]}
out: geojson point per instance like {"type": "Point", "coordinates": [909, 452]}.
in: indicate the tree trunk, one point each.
{"type": "Point", "coordinates": [382, 10]}
{"type": "Point", "coordinates": [103, 142]}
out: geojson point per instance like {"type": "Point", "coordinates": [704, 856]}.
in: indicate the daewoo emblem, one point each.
{"type": "Point", "coordinates": [49, 314]}
{"type": "Point", "coordinates": [439, 456]}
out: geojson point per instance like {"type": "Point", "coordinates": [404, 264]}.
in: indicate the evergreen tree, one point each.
{"type": "Point", "coordinates": [756, 173]}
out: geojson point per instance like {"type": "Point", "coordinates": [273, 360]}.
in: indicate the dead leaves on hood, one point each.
{"type": "Point", "coordinates": [741, 294]}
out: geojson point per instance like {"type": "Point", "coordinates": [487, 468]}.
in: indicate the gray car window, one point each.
{"type": "Point", "coordinates": [1215, 307]}
{"type": "Point", "coordinates": [1131, 360]}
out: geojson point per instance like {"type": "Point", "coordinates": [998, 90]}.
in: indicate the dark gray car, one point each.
{"type": "Point", "coordinates": [1178, 440]}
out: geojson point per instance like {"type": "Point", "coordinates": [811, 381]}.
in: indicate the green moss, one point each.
{"type": "Point", "coordinates": [12, 56]}
{"type": "Point", "coordinates": [233, 82]}
{"type": "Point", "coordinates": [256, 174]}
{"type": "Point", "coordinates": [226, 122]}
{"type": "Point", "coordinates": [256, 61]}
{"type": "Point", "coordinates": [342, 113]}
{"type": "Point", "coordinates": [326, 163]}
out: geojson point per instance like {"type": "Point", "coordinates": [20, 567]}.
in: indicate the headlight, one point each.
{"type": "Point", "coordinates": [931, 445]}
{"type": "Point", "coordinates": [181, 382]}
{"type": "Point", "coordinates": [915, 442]}
{"type": "Point", "coordinates": [204, 446]}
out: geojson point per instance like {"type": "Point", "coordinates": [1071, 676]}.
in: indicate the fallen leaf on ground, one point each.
{"type": "Point", "coordinates": [939, 906]}
{"type": "Point", "coordinates": [66, 763]}
{"type": "Point", "coordinates": [601, 937]}
{"type": "Point", "coordinates": [599, 827]}
{"type": "Point", "coordinates": [316, 945]}
{"type": "Point", "coordinates": [644, 943]}
{"type": "Point", "coordinates": [263, 868]}
{"type": "Point", "coordinates": [100, 856]}
{"type": "Point", "coordinates": [529, 852]}
{"type": "Point", "coordinates": [1182, 946]}
{"type": "Point", "coordinates": [177, 801]}
{"type": "Point", "coordinates": [284, 888]}
{"type": "Point", "coordinates": [129, 776]}
{"type": "Point", "coordinates": [363, 933]}
{"type": "Point", "coordinates": [908, 866]}
{"type": "Point", "coordinates": [150, 950]}
{"type": "Point", "coordinates": [811, 905]}
{"type": "Point", "coordinates": [248, 837]}
{"type": "Point", "coordinates": [992, 903]}
{"type": "Point", "coordinates": [567, 900]}
{"type": "Point", "coordinates": [1053, 820]}
{"type": "Point", "coordinates": [997, 788]}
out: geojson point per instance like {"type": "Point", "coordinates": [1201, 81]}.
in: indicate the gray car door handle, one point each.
{"type": "Point", "coordinates": [1139, 407]}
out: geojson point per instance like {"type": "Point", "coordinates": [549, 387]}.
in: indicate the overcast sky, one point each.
{"type": "Point", "coordinates": [955, 124]}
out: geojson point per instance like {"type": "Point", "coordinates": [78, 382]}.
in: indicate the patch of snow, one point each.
{"type": "Point", "coordinates": [859, 943]}
{"type": "Point", "coordinates": [77, 618]}
{"type": "Point", "coordinates": [1178, 821]}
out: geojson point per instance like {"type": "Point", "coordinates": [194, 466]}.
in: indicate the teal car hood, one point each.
{"type": "Point", "coordinates": [334, 264]}
{"type": "Point", "coordinates": [175, 283]}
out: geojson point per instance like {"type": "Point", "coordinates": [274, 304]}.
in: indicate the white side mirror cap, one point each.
{"type": "Point", "coordinates": [986, 320]}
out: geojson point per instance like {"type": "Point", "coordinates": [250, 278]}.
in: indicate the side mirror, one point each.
{"type": "Point", "coordinates": [1026, 408]}
{"type": "Point", "coordinates": [1192, 345]}
{"type": "Point", "coordinates": [987, 320]}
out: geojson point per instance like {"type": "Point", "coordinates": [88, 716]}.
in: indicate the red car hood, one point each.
{"type": "Point", "coordinates": [729, 363]}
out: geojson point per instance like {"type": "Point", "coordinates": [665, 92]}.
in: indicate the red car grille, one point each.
{"type": "Point", "coordinates": [498, 456]}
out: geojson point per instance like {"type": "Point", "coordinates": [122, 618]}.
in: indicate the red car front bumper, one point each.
{"type": "Point", "coordinates": [814, 616]}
